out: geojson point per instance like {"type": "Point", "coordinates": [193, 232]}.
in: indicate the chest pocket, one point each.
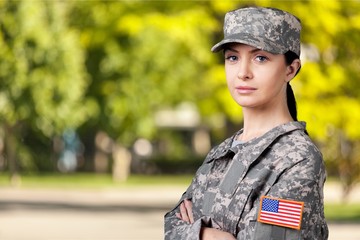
{"type": "Point", "coordinates": [245, 187]}
{"type": "Point", "coordinates": [261, 179]}
{"type": "Point", "coordinates": [231, 180]}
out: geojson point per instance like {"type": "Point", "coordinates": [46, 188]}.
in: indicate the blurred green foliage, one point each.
{"type": "Point", "coordinates": [43, 78]}
{"type": "Point", "coordinates": [110, 65]}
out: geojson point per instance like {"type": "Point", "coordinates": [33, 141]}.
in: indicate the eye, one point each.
{"type": "Point", "coordinates": [231, 58]}
{"type": "Point", "coordinates": [261, 58]}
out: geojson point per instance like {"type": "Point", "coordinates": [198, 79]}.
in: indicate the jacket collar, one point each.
{"type": "Point", "coordinates": [256, 145]}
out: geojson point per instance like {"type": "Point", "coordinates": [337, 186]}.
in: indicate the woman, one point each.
{"type": "Point", "coordinates": [266, 181]}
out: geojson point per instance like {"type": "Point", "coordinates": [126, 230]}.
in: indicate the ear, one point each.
{"type": "Point", "coordinates": [292, 70]}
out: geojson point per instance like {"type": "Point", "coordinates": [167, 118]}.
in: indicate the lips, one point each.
{"type": "Point", "coordinates": [245, 89]}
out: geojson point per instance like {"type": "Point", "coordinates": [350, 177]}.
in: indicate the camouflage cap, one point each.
{"type": "Point", "coordinates": [269, 29]}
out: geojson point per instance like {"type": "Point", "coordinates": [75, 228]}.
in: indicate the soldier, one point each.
{"type": "Point", "coordinates": [266, 181]}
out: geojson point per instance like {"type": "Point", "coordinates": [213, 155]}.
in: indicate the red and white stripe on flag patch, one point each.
{"type": "Point", "coordinates": [280, 212]}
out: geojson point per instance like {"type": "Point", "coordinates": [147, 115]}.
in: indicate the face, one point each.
{"type": "Point", "coordinates": [256, 78]}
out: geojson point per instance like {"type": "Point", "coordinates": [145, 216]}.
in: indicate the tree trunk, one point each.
{"type": "Point", "coordinates": [10, 147]}
{"type": "Point", "coordinates": [121, 163]}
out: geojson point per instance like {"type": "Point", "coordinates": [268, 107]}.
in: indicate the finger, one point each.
{"type": "Point", "coordinates": [183, 212]}
{"type": "Point", "coordinates": [188, 206]}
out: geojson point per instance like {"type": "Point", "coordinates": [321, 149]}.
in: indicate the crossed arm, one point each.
{"type": "Point", "coordinates": [206, 233]}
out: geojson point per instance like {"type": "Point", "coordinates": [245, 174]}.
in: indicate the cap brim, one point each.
{"type": "Point", "coordinates": [248, 40]}
{"type": "Point", "coordinates": [220, 45]}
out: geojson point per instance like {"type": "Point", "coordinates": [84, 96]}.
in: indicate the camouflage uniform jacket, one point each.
{"type": "Point", "coordinates": [225, 192]}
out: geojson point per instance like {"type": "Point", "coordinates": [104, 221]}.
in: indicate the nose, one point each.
{"type": "Point", "coordinates": [245, 72]}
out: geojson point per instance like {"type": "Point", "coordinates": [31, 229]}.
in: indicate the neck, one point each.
{"type": "Point", "coordinates": [258, 122]}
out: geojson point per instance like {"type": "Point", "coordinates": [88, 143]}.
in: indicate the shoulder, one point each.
{"type": "Point", "coordinates": [301, 153]}
{"type": "Point", "coordinates": [300, 142]}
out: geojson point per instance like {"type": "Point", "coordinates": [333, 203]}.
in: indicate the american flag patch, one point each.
{"type": "Point", "coordinates": [280, 212]}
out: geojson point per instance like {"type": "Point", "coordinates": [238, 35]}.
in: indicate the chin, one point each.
{"type": "Point", "coordinates": [245, 104]}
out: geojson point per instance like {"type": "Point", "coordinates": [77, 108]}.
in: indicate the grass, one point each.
{"type": "Point", "coordinates": [86, 180]}
{"type": "Point", "coordinates": [337, 212]}
{"type": "Point", "coordinates": [334, 212]}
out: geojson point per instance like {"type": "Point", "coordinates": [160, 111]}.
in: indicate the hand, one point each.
{"type": "Point", "coordinates": [186, 213]}
{"type": "Point", "coordinates": [215, 234]}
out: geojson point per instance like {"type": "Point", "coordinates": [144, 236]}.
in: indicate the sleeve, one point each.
{"type": "Point", "coordinates": [303, 182]}
{"type": "Point", "coordinates": [177, 229]}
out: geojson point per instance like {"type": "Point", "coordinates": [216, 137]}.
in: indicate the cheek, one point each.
{"type": "Point", "coordinates": [230, 74]}
{"type": "Point", "coordinates": [275, 75]}
{"type": "Point", "coordinates": [282, 73]}
{"type": "Point", "coordinates": [230, 82]}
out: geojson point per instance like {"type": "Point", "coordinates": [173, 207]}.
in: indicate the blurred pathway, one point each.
{"type": "Point", "coordinates": [108, 214]}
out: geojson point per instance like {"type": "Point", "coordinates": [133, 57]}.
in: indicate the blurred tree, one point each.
{"type": "Point", "coordinates": [143, 56]}
{"type": "Point", "coordinates": [42, 76]}
{"type": "Point", "coordinates": [147, 55]}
